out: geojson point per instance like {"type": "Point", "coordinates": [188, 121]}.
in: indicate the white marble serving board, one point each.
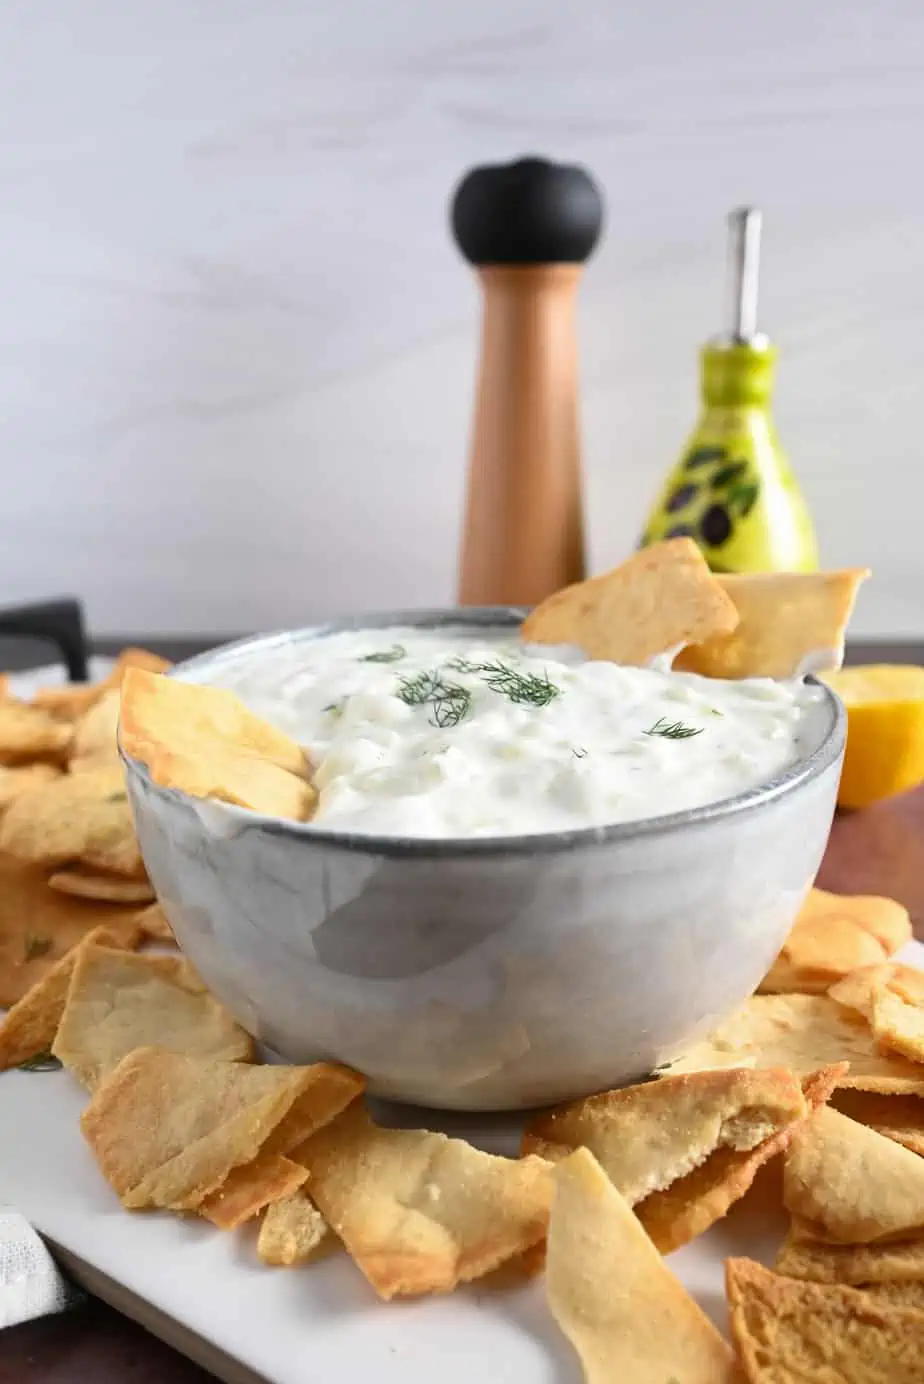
{"type": "Point", "coordinates": [206, 1293]}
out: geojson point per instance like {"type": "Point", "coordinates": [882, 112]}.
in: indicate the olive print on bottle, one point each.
{"type": "Point", "coordinates": [721, 490]}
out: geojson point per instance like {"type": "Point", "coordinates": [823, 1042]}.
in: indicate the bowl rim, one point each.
{"type": "Point", "coordinates": [783, 785]}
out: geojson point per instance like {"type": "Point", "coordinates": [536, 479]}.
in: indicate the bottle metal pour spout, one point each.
{"type": "Point", "coordinates": [733, 491]}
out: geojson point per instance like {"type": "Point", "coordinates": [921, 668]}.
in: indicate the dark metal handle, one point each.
{"type": "Point", "coordinates": [57, 622]}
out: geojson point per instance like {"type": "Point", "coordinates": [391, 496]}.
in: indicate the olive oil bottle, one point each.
{"type": "Point", "coordinates": [732, 491]}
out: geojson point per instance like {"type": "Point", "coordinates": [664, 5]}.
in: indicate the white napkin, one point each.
{"type": "Point", "coordinates": [30, 1283]}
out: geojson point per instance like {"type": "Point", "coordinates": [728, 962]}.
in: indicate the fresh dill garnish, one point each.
{"type": "Point", "coordinates": [336, 708]}
{"type": "Point", "coordinates": [418, 690]}
{"type": "Point", "coordinates": [450, 701]}
{"type": "Point", "coordinates": [36, 946]}
{"type": "Point", "coordinates": [451, 705]}
{"type": "Point", "coordinates": [673, 730]}
{"type": "Point", "coordinates": [525, 688]}
{"type": "Point", "coordinates": [42, 1061]}
{"type": "Point", "coordinates": [392, 655]}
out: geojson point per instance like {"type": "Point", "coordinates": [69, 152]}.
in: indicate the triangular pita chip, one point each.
{"type": "Point", "coordinates": [38, 926]}
{"type": "Point", "coordinates": [83, 817]}
{"type": "Point", "coordinates": [420, 1212]}
{"type": "Point", "coordinates": [690, 1206]}
{"type": "Point", "coordinates": [896, 1117]}
{"type": "Point", "coordinates": [660, 598]}
{"type": "Point", "coordinates": [833, 935]}
{"type": "Point", "coordinates": [855, 1186]}
{"type": "Point", "coordinates": [167, 1130]}
{"type": "Point", "coordinates": [246, 1190]}
{"type": "Point", "coordinates": [792, 1332]}
{"type": "Point", "coordinates": [646, 1137]}
{"type": "Point", "coordinates": [627, 1316]}
{"type": "Point", "coordinates": [119, 1001]}
{"type": "Point", "coordinates": [292, 1231]}
{"type": "Point", "coordinates": [803, 1033]}
{"type": "Point", "coordinates": [205, 742]}
{"type": "Point", "coordinates": [30, 1026]}
{"type": "Point", "coordinates": [789, 623]}
{"type": "Point", "coordinates": [856, 1265]}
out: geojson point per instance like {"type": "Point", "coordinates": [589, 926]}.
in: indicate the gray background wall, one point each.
{"type": "Point", "coordinates": [237, 347]}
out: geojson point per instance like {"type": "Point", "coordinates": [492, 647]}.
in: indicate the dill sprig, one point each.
{"type": "Point", "coordinates": [450, 702]}
{"type": "Point", "coordinates": [673, 730]}
{"type": "Point", "coordinates": [392, 655]}
{"type": "Point", "coordinates": [528, 689]}
{"type": "Point", "coordinates": [42, 1061]}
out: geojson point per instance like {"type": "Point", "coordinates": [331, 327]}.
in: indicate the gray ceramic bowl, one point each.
{"type": "Point", "coordinates": [486, 974]}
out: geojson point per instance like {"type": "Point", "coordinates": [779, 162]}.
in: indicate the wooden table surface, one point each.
{"type": "Point", "coordinates": [879, 851]}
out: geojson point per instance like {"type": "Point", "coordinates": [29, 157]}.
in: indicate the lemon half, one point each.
{"type": "Point", "coordinates": [885, 730]}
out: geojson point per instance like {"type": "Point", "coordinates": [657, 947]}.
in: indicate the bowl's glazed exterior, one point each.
{"type": "Point", "coordinates": [487, 975]}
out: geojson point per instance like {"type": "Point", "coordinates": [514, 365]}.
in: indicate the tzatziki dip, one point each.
{"type": "Point", "coordinates": [455, 733]}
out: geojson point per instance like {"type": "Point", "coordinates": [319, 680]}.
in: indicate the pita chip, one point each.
{"type": "Point", "coordinates": [292, 1231]}
{"type": "Point", "coordinates": [83, 817]}
{"type": "Point", "coordinates": [30, 1026]}
{"type": "Point", "coordinates": [661, 597]}
{"type": "Point", "coordinates": [646, 1137]}
{"type": "Point", "coordinates": [91, 884]}
{"type": "Point", "coordinates": [792, 1332]}
{"type": "Point", "coordinates": [853, 1185]}
{"type": "Point", "coordinates": [789, 623]}
{"type": "Point", "coordinates": [39, 926]}
{"type": "Point", "coordinates": [419, 1212]}
{"type": "Point", "coordinates": [247, 1189]}
{"type": "Point", "coordinates": [859, 1266]}
{"type": "Point", "coordinates": [26, 733]}
{"type": "Point", "coordinates": [119, 1001]}
{"type": "Point", "coordinates": [205, 742]}
{"type": "Point", "coordinates": [612, 1295]}
{"type": "Point", "coordinates": [832, 936]}
{"type": "Point", "coordinates": [21, 777]}
{"type": "Point", "coordinates": [895, 1117]}
{"type": "Point", "coordinates": [803, 1033]}
{"type": "Point", "coordinates": [891, 999]}
{"type": "Point", "coordinates": [74, 699]}
{"type": "Point", "coordinates": [166, 1130]}
{"type": "Point", "coordinates": [691, 1205]}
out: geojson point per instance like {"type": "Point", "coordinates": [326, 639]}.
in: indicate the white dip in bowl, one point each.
{"type": "Point", "coordinates": [449, 733]}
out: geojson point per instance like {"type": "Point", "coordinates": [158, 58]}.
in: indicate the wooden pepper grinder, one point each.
{"type": "Point", "coordinates": [527, 227]}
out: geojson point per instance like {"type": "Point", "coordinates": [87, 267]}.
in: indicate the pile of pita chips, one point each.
{"type": "Point", "coordinates": [788, 623]}
{"type": "Point", "coordinates": [205, 742]}
{"type": "Point", "coordinates": [69, 860]}
{"type": "Point", "coordinates": [419, 1212]}
{"type": "Point", "coordinates": [833, 935]}
{"type": "Point", "coordinates": [612, 1295]}
{"type": "Point", "coordinates": [168, 1130]}
{"type": "Point", "coordinates": [661, 598]}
